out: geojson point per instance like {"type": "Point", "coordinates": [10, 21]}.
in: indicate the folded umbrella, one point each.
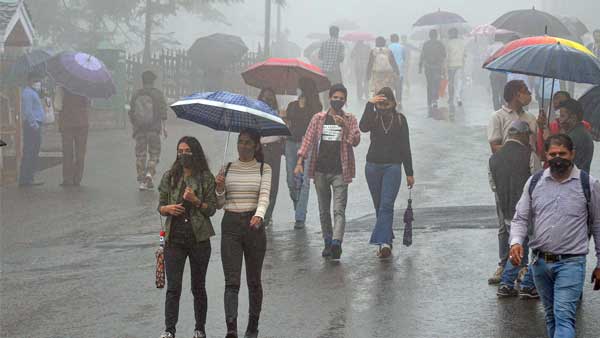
{"type": "Point", "coordinates": [282, 75]}
{"type": "Point", "coordinates": [82, 74]}
{"type": "Point", "coordinates": [408, 220]}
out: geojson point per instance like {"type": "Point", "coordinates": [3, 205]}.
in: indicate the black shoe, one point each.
{"type": "Point", "coordinates": [299, 225]}
{"type": "Point", "coordinates": [231, 334]}
{"type": "Point", "coordinates": [529, 293]}
{"type": "Point", "coordinates": [326, 251]}
{"type": "Point", "coordinates": [505, 291]}
{"type": "Point", "coordinates": [253, 334]}
{"type": "Point", "coordinates": [336, 250]}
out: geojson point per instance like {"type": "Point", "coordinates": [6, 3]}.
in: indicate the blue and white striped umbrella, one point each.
{"type": "Point", "coordinates": [230, 112]}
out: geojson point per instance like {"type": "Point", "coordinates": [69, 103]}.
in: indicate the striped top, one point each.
{"type": "Point", "coordinates": [245, 189]}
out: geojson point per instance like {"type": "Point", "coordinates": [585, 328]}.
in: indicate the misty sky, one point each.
{"type": "Point", "coordinates": [306, 16]}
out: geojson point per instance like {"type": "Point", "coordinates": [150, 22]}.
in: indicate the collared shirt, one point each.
{"type": "Point", "coordinates": [350, 138]}
{"type": "Point", "coordinates": [32, 108]}
{"type": "Point", "coordinates": [559, 215]}
{"type": "Point", "coordinates": [331, 55]}
{"type": "Point", "coordinates": [501, 121]}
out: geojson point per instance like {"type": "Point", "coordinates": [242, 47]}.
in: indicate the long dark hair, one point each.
{"type": "Point", "coordinates": [272, 103]}
{"type": "Point", "coordinates": [200, 164]}
{"type": "Point", "coordinates": [255, 137]}
{"type": "Point", "coordinates": [310, 94]}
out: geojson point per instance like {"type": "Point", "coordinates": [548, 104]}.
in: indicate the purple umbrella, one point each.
{"type": "Point", "coordinates": [82, 74]}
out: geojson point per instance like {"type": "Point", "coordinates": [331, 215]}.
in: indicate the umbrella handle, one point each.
{"type": "Point", "coordinates": [226, 146]}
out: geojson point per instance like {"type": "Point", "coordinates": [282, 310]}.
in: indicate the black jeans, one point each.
{"type": "Point", "coordinates": [176, 252]}
{"type": "Point", "coordinates": [32, 140]}
{"type": "Point", "coordinates": [239, 241]}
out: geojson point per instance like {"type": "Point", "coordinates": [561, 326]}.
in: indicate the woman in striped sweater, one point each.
{"type": "Point", "coordinates": [243, 189]}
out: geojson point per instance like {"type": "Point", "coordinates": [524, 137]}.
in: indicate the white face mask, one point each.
{"type": "Point", "coordinates": [37, 86]}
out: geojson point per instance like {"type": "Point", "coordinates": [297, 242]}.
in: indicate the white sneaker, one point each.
{"type": "Point", "coordinates": [143, 186]}
{"type": "Point", "coordinates": [386, 251]}
{"type": "Point", "coordinates": [166, 335]}
{"type": "Point", "coordinates": [148, 181]}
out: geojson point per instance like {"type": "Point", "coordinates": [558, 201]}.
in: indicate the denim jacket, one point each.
{"type": "Point", "coordinates": [203, 186]}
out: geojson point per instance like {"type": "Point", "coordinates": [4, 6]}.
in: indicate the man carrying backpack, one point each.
{"type": "Point", "coordinates": [148, 114]}
{"type": "Point", "coordinates": [563, 205]}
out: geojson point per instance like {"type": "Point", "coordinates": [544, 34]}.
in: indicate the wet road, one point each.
{"type": "Point", "coordinates": [78, 263]}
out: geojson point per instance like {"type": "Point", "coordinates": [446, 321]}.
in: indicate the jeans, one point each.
{"type": "Point", "coordinates": [455, 85]}
{"type": "Point", "coordinates": [511, 271]}
{"type": "Point", "coordinates": [560, 285]}
{"type": "Point", "coordinates": [240, 242]}
{"type": "Point", "coordinates": [273, 152]}
{"type": "Point", "coordinates": [298, 196]}
{"type": "Point", "coordinates": [175, 256]}
{"type": "Point", "coordinates": [434, 78]}
{"type": "Point", "coordinates": [32, 140]}
{"type": "Point", "coordinates": [503, 235]}
{"type": "Point", "coordinates": [384, 184]}
{"type": "Point", "coordinates": [74, 145]}
{"type": "Point", "coordinates": [323, 185]}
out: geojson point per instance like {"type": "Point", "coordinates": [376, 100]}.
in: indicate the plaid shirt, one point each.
{"type": "Point", "coordinates": [331, 55]}
{"type": "Point", "coordinates": [350, 138]}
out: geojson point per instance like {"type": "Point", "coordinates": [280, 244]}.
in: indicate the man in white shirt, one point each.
{"type": "Point", "coordinates": [455, 48]}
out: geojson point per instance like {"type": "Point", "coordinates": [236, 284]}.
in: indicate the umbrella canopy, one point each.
{"type": "Point", "coordinates": [574, 25]}
{"type": "Point", "coordinates": [537, 40]}
{"type": "Point", "coordinates": [282, 75]}
{"type": "Point", "coordinates": [408, 220]}
{"type": "Point", "coordinates": [346, 24]}
{"type": "Point", "coordinates": [230, 112]}
{"type": "Point", "coordinates": [532, 22]}
{"type": "Point", "coordinates": [217, 50]}
{"type": "Point", "coordinates": [554, 61]}
{"type": "Point", "coordinates": [591, 110]}
{"type": "Point", "coordinates": [439, 18]}
{"type": "Point", "coordinates": [358, 36]}
{"type": "Point", "coordinates": [421, 33]}
{"type": "Point", "coordinates": [32, 62]}
{"type": "Point", "coordinates": [81, 74]}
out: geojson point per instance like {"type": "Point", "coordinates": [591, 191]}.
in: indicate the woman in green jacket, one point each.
{"type": "Point", "coordinates": [188, 200]}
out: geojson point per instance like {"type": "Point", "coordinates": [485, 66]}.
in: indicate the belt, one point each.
{"type": "Point", "coordinates": [552, 258]}
{"type": "Point", "coordinates": [243, 214]}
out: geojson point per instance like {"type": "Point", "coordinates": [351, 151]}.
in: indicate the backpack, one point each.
{"type": "Point", "coordinates": [381, 60]}
{"type": "Point", "coordinates": [584, 178]}
{"type": "Point", "coordinates": [143, 113]}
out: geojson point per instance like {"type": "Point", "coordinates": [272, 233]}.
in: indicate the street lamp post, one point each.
{"type": "Point", "coordinates": [267, 49]}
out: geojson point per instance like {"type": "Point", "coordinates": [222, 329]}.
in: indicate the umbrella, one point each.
{"type": "Point", "coordinates": [81, 74]}
{"type": "Point", "coordinates": [346, 24]}
{"type": "Point", "coordinates": [574, 25]}
{"type": "Point", "coordinates": [536, 40]}
{"type": "Point", "coordinates": [591, 110]}
{"type": "Point", "coordinates": [408, 219]}
{"type": "Point", "coordinates": [532, 22]}
{"type": "Point", "coordinates": [217, 50]}
{"type": "Point", "coordinates": [230, 112]}
{"type": "Point", "coordinates": [439, 18]}
{"type": "Point", "coordinates": [421, 33]}
{"type": "Point", "coordinates": [32, 62]}
{"type": "Point", "coordinates": [358, 36]}
{"type": "Point", "coordinates": [282, 75]}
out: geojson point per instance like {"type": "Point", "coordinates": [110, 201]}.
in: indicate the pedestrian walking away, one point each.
{"type": "Point", "coordinates": [510, 167]}
{"type": "Point", "coordinates": [243, 189]}
{"type": "Point", "coordinates": [273, 150]}
{"type": "Point", "coordinates": [148, 115]}
{"type": "Point", "coordinates": [401, 57]}
{"type": "Point", "coordinates": [564, 204]}
{"type": "Point", "coordinates": [360, 59]}
{"type": "Point", "coordinates": [329, 140]}
{"type": "Point", "coordinates": [433, 58]}
{"type": "Point", "coordinates": [382, 70]}
{"type": "Point", "coordinates": [332, 54]}
{"type": "Point", "coordinates": [32, 118]}
{"type": "Point", "coordinates": [298, 116]}
{"type": "Point", "coordinates": [73, 123]}
{"type": "Point", "coordinates": [187, 200]}
{"type": "Point", "coordinates": [455, 64]}
{"type": "Point", "coordinates": [388, 152]}
{"type": "Point", "coordinates": [517, 96]}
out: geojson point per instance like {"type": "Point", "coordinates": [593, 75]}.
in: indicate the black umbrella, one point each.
{"type": "Point", "coordinates": [532, 22]}
{"type": "Point", "coordinates": [217, 50]}
{"type": "Point", "coordinates": [408, 219]}
{"type": "Point", "coordinates": [591, 110]}
{"type": "Point", "coordinates": [439, 18]}
{"type": "Point", "coordinates": [32, 62]}
{"type": "Point", "coordinates": [574, 25]}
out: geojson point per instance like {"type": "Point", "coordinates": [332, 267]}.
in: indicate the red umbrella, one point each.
{"type": "Point", "coordinates": [282, 75]}
{"type": "Point", "coordinates": [358, 36]}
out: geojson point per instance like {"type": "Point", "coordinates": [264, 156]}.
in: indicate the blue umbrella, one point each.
{"type": "Point", "coordinates": [230, 112]}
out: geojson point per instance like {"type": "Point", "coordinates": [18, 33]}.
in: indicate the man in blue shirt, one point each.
{"type": "Point", "coordinates": [400, 55]}
{"type": "Point", "coordinates": [32, 117]}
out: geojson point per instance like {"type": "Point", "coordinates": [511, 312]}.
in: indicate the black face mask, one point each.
{"type": "Point", "coordinates": [186, 160]}
{"type": "Point", "coordinates": [559, 165]}
{"type": "Point", "coordinates": [337, 105]}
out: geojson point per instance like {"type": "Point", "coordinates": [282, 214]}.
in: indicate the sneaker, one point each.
{"type": "Point", "coordinates": [143, 186]}
{"type": "Point", "coordinates": [199, 334]}
{"type": "Point", "coordinates": [386, 251]}
{"type": "Point", "coordinates": [521, 274]}
{"type": "Point", "coordinates": [167, 335]}
{"type": "Point", "coordinates": [336, 249]}
{"type": "Point", "coordinates": [327, 250]}
{"type": "Point", "coordinates": [506, 291]}
{"type": "Point", "coordinates": [497, 277]}
{"type": "Point", "coordinates": [149, 183]}
{"type": "Point", "coordinates": [299, 225]}
{"type": "Point", "coordinates": [528, 293]}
